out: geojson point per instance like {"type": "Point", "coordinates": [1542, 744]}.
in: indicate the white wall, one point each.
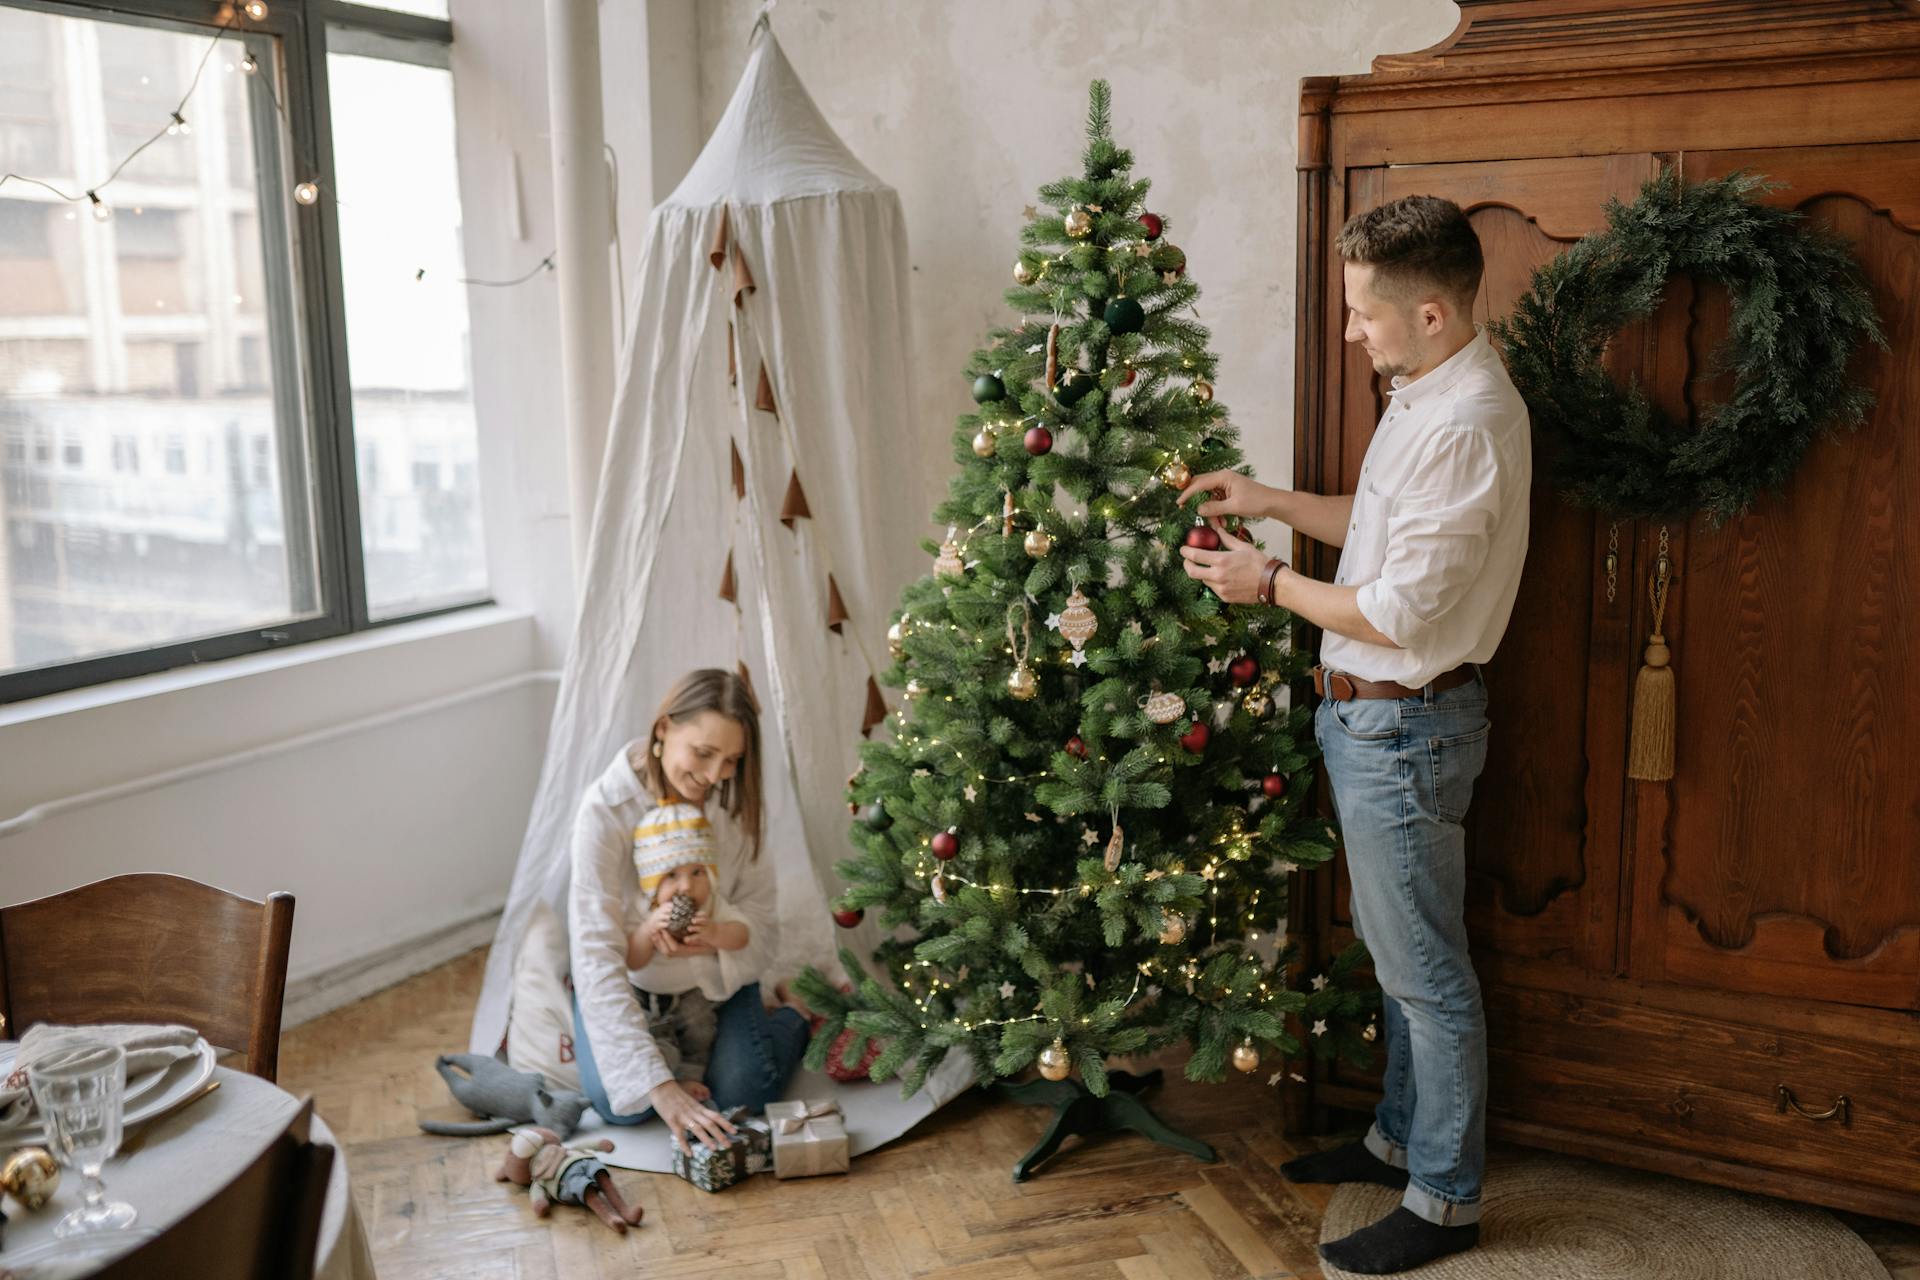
{"type": "Point", "coordinates": [385, 778]}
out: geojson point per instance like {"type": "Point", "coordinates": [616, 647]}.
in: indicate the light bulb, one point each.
{"type": "Point", "coordinates": [102, 211]}
{"type": "Point", "coordinates": [255, 9]}
{"type": "Point", "coordinates": [249, 64]}
{"type": "Point", "coordinates": [178, 125]}
{"type": "Point", "coordinates": [307, 193]}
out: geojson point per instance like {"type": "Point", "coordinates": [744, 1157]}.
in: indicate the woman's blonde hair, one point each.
{"type": "Point", "coordinates": [715, 689]}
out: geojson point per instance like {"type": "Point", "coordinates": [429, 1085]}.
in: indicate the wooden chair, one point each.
{"type": "Point", "coordinates": [264, 1225]}
{"type": "Point", "coordinates": [150, 948]}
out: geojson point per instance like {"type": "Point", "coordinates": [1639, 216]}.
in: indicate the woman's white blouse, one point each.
{"type": "Point", "coordinates": [603, 908]}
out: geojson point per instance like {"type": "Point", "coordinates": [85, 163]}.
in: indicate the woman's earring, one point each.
{"type": "Point", "coordinates": [658, 750]}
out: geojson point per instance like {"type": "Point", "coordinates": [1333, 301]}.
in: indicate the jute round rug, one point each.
{"type": "Point", "coordinates": [1555, 1217]}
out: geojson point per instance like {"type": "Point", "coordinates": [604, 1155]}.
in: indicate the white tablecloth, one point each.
{"type": "Point", "coordinates": [192, 1152]}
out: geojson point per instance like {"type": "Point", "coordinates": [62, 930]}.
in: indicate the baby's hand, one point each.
{"type": "Point", "coordinates": [695, 1090]}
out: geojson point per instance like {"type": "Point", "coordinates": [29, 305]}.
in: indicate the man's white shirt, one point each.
{"type": "Point", "coordinates": [1438, 534]}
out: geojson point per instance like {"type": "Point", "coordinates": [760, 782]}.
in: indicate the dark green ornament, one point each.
{"type": "Point", "coordinates": [1073, 386]}
{"type": "Point", "coordinates": [875, 817]}
{"type": "Point", "coordinates": [987, 388]}
{"type": "Point", "coordinates": [1124, 315]}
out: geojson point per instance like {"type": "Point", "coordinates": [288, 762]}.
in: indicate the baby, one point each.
{"type": "Point", "coordinates": [672, 957]}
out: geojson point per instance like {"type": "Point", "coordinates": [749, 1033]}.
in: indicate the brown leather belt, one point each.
{"type": "Point", "coordinates": [1342, 687]}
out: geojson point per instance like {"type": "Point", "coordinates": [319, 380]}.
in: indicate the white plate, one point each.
{"type": "Point", "coordinates": [152, 1093]}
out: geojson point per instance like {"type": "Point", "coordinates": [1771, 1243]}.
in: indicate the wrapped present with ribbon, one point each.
{"type": "Point", "coordinates": [748, 1152]}
{"type": "Point", "coordinates": [809, 1138]}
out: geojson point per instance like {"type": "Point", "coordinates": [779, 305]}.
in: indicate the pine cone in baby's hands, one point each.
{"type": "Point", "coordinates": [682, 918]}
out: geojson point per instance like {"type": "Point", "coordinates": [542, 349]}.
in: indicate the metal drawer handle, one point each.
{"type": "Point", "coordinates": [1842, 1106]}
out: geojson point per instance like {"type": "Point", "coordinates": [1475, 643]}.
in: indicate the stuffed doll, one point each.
{"type": "Point", "coordinates": [551, 1171]}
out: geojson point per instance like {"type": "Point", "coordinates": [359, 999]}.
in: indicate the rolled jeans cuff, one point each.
{"type": "Point", "coordinates": [1385, 1149]}
{"type": "Point", "coordinates": [1439, 1209]}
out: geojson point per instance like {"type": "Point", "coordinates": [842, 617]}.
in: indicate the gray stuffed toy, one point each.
{"type": "Point", "coordinates": [489, 1087]}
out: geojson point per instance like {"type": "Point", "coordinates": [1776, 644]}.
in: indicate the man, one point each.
{"type": "Point", "coordinates": [1431, 550]}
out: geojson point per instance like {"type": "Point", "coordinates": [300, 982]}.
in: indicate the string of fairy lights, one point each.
{"type": "Point", "coordinates": [241, 19]}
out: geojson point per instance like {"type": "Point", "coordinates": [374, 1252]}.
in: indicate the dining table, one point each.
{"type": "Point", "coordinates": [175, 1162]}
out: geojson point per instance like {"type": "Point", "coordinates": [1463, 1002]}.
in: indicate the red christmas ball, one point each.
{"type": "Point", "coordinates": [1202, 538]}
{"type": "Point", "coordinates": [1132, 373]}
{"type": "Point", "coordinates": [1076, 747]}
{"type": "Point", "coordinates": [847, 917]}
{"type": "Point", "coordinates": [1039, 441]}
{"type": "Point", "coordinates": [1244, 669]}
{"type": "Point", "coordinates": [1195, 739]}
{"type": "Point", "coordinates": [1274, 785]}
{"type": "Point", "coordinates": [1151, 221]}
{"type": "Point", "coordinates": [946, 845]}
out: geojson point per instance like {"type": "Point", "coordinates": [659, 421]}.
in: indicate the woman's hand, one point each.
{"type": "Point", "coordinates": [1233, 494]}
{"type": "Point", "coordinates": [686, 1117]}
{"type": "Point", "coordinates": [1233, 572]}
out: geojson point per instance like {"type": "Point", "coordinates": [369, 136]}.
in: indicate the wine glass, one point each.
{"type": "Point", "coordinates": [80, 1091]}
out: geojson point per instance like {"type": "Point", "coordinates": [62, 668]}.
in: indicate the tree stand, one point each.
{"type": "Point", "coordinates": [1077, 1111]}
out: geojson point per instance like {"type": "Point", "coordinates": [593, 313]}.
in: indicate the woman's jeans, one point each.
{"type": "Point", "coordinates": [755, 1053]}
{"type": "Point", "coordinates": [1403, 772]}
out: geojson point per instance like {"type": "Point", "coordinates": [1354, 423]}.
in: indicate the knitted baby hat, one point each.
{"type": "Point", "coordinates": [673, 835]}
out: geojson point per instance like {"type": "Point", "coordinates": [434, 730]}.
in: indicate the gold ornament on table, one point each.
{"type": "Point", "coordinates": [30, 1176]}
{"type": "Point", "coordinates": [1173, 929]}
{"type": "Point", "coordinates": [948, 563]}
{"type": "Point", "coordinates": [1164, 708]}
{"type": "Point", "coordinates": [1039, 543]}
{"type": "Point", "coordinates": [1256, 704]}
{"type": "Point", "coordinates": [897, 639]}
{"type": "Point", "coordinates": [1245, 1057]}
{"type": "Point", "coordinates": [1176, 474]}
{"type": "Point", "coordinates": [1055, 1062]}
{"type": "Point", "coordinates": [1079, 224]}
{"type": "Point", "coordinates": [1077, 621]}
{"type": "Point", "coordinates": [985, 442]}
{"type": "Point", "coordinates": [1201, 390]}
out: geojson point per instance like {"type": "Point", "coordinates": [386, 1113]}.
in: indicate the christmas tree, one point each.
{"type": "Point", "coordinates": [1081, 830]}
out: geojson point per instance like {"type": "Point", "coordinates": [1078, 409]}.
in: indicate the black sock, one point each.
{"type": "Point", "coordinates": [1351, 1163]}
{"type": "Point", "coordinates": [1398, 1241]}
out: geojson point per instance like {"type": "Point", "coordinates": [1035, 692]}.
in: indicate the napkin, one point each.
{"type": "Point", "coordinates": [149, 1048]}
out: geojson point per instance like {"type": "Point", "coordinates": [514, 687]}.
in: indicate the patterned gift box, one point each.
{"type": "Point", "coordinates": [749, 1152]}
{"type": "Point", "coordinates": [809, 1138]}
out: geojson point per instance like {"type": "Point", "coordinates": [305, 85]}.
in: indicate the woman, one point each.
{"type": "Point", "coordinates": [704, 746]}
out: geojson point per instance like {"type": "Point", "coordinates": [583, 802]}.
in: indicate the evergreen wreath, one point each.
{"type": "Point", "coordinates": [1801, 306]}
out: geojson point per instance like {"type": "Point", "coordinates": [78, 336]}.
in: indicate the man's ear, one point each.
{"type": "Point", "coordinates": [1433, 315]}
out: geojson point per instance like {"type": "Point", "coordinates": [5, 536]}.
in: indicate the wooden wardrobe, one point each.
{"type": "Point", "coordinates": [1716, 976]}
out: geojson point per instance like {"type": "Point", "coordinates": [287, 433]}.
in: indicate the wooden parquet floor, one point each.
{"type": "Point", "coordinates": [938, 1203]}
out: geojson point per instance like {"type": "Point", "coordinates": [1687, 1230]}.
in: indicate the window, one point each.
{"type": "Point", "coordinates": [266, 353]}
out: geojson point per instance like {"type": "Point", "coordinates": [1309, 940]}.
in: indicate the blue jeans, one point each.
{"type": "Point", "coordinates": [1403, 772]}
{"type": "Point", "coordinates": [755, 1053]}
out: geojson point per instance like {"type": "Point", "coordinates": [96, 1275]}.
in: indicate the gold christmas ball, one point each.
{"type": "Point", "coordinates": [30, 1176]}
{"type": "Point", "coordinates": [915, 688]}
{"type": "Point", "coordinates": [1055, 1062]}
{"type": "Point", "coordinates": [1369, 1033]}
{"type": "Point", "coordinates": [897, 640]}
{"type": "Point", "coordinates": [985, 442]}
{"type": "Point", "coordinates": [1039, 543]}
{"type": "Point", "coordinates": [1176, 474]}
{"type": "Point", "coordinates": [1173, 929]}
{"type": "Point", "coordinates": [1022, 273]}
{"type": "Point", "coordinates": [1256, 704]}
{"type": "Point", "coordinates": [1021, 683]}
{"type": "Point", "coordinates": [1201, 390]}
{"type": "Point", "coordinates": [1079, 224]}
{"type": "Point", "coordinates": [1245, 1057]}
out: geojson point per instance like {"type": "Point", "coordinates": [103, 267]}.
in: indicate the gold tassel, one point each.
{"type": "Point", "coordinates": [1650, 747]}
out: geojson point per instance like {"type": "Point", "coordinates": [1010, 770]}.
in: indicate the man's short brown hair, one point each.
{"type": "Point", "coordinates": [1416, 245]}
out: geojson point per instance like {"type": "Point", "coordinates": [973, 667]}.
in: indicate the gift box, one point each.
{"type": "Point", "coordinates": [750, 1151]}
{"type": "Point", "coordinates": [809, 1138]}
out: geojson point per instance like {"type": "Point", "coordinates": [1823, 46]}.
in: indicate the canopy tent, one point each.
{"type": "Point", "coordinates": [757, 503]}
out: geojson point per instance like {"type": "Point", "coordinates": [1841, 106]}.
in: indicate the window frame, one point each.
{"type": "Point", "coordinates": [311, 380]}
